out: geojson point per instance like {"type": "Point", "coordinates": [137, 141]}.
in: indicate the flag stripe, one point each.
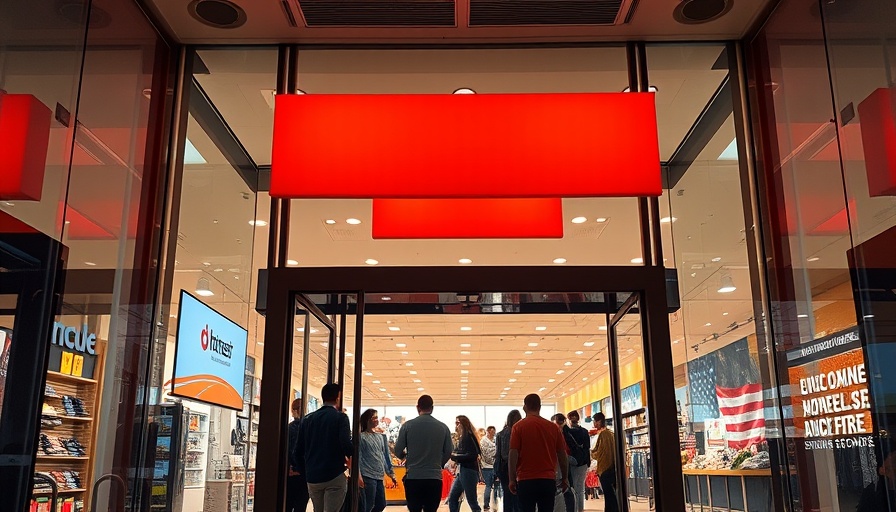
{"type": "Point", "coordinates": [741, 409]}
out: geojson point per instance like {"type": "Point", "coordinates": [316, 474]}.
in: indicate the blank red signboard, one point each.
{"type": "Point", "coordinates": [465, 146]}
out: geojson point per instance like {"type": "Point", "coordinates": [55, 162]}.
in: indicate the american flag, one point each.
{"type": "Point", "coordinates": [739, 392]}
{"type": "Point", "coordinates": [725, 384]}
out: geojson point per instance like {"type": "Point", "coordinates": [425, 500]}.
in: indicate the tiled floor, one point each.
{"type": "Point", "coordinates": [640, 505]}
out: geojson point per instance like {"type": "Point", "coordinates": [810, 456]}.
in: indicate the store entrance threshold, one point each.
{"type": "Point", "coordinates": [388, 335]}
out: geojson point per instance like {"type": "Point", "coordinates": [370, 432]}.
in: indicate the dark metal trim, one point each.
{"type": "Point", "coordinates": [356, 397]}
{"type": "Point", "coordinates": [307, 304]}
{"type": "Point", "coordinates": [616, 400]}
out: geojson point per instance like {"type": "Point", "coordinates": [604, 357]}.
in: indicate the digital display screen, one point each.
{"type": "Point", "coordinates": [210, 355]}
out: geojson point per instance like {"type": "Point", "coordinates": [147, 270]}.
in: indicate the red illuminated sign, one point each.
{"type": "Point", "coordinates": [467, 218]}
{"type": "Point", "coordinates": [877, 114]}
{"type": "Point", "coordinates": [24, 139]}
{"type": "Point", "coordinates": [465, 146]}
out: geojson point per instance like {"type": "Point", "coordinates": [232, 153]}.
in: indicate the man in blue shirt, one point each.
{"type": "Point", "coordinates": [325, 440]}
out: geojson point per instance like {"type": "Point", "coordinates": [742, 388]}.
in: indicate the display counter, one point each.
{"type": "Point", "coordinates": [395, 495]}
{"type": "Point", "coordinates": [748, 490]}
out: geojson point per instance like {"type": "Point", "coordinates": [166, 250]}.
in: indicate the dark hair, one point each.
{"type": "Point", "coordinates": [513, 417]}
{"type": "Point", "coordinates": [424, 403]}
{"type": "Point", "coordinates": [467, 427]}
{"type": "Point", "coordinates": [570, 414]}
{"type": "Point", "coordinates": [490, 427]}
{"type": "Point", "coordinates": [558, 418]}
{"type": "Point", "coordinates": [296, 406]}
{"type": "Point", "coordinates": [365, 419]}
{"type": "Point", "coordinates": [599, 417]}
{"type": "Point", "coordinates": [330, 392]}
{"type": "Point", "coordinates": [532, 402]}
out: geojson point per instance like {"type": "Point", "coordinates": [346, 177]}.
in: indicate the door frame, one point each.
{"type": "Point", "coordinates": [285, 284]}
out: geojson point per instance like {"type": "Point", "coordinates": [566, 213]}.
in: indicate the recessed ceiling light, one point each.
{"type": "Point", "coordinates": [533, 344]}
{"type": "Point", "coordinates": [90, 263]}
{"type": "Point", "coordinates": [579, 220]}
{"type": "Point", "coordinates": [369, 374]}
{"type": "Point", "coordinates": [600, 219]}
{"type": "Point", "coordinates": [353, 221]}
{"type": "Point", "coordinates": [465, 345]}
{"type": "Point", "coordinates": [349, 354]}
{"type": "Point", "coordinates": [802, 316]}
{"type": "Point", "coordinates": [385, 297]}
{"type": "Point", "coordinates": [606, 363]}
{"type": "Point", "coordinates": [404, 353]}
{"type": "Point", "coordinates": [667, 220]}
{"type": "Point", "coordinates": [579, 352]}
{"type": "Point", "coordinates": [717, 259]}
{"type": "Point", "coordinates": [465, 371]}
{"type": "Point", "coordinates": [517, 371]}
{"type": "Point", "coordinates": [561, 372]}
{"type": "Point", "coordinates": [568, 363]}
{"type": "Point", "coordinates": [409, 364]}
{"type": "Point", "coordinates": [375, 381]}
{"type": "Point", "coordinates": [401, 345]}
{"type": "Point", "coordinates": [292, 263]}
{"type": "Point", "coordinates": [464, 352]}
{"type": "Point", "coordinates": [466, 328]}
{"type": "Point", "coordinates": [382, 389]}
{"type": "Point", "coordinates": [371, 261]}
{"type": "Point", "coordinates": [707, 324]}
{"type": "Point", "coordinates": [416, 380]}
{"type": "Point", "coordinates": [419, 389]}
{"type": "Point", "coordinates": [394, 328]}
{"type": "Point", "coordinates": [552, 380]}
{"type": "Point", "coordinates": [542, 388]}
{"type": "Point", "coordinates": [507, 389]}
{"type": "Point", "coordinates": [464, 90]}
{"type": "Point", "coordinates": [521, 363]}
{"type": "Point", "coordinates": [867, 316]}
{"type": "Point", "coordinates": [528, 352]}
{"type": "Point", "coordinates": [541, 328]}
{"type": "Point", "coordinates": [465, 363]}
{"type": "Point", "coordinates": [602, 328]}
{"type": "Point", "coordinates": [465, 261]}
{"type": "Point", "coordinates": [813, 258]}
{"type": "Point", "coordinates": [330, 221]}
{"type": "Point", "coordinates": [588, 343]}
{"type": "Point", "coordinates": [637, 260]}
{"type": "Point", "coordinates": [725, 313]}
{"type": "Point", "coordinates": [511, 380]}
{"type": "Point", "coordinates": [412, 372]}
{"type": "Point", "coordinates": [584, 378]}
{"type": "Point", "coordinates": [559, 261]}
{"type": "Point", "coordinates": [258, 223]}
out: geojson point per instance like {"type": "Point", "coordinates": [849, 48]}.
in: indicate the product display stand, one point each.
{"type": "Point", "coordinates": [67, 439]}
{"type": "Point", "coordinates": [636, 433]}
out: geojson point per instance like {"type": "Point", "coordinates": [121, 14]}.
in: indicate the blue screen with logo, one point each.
{"type": "Point", "coordinates": [210, 357]}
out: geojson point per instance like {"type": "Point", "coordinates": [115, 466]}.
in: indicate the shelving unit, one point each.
{"type": "Point", "coordinates": [636, 433]}
{"type": "Point", "coordinates": [72, 473]}
{"type": "Point", "coordinates": [195, 456]}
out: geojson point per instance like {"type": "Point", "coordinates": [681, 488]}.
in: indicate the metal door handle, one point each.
{"type": "Point", "coordinates": [96, 485]}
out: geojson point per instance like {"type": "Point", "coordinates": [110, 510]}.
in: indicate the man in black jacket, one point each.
{"type": "Point", "coordinates": [296, 486]}
{"type": "Point", "coordinates": [325, 440]}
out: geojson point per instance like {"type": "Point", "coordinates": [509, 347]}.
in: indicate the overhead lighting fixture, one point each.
{"type": "Point", "coordinates": [90, 263]}
{"type": "Point", "coordinates": [568, 363]}
{"type": "Point", "coordinates": [416, 380]}
{"type": "Point", "coordinates": [668, 220]}
{"type": "Point", "coordinates": [727, 285]}
{"type": "Point", "coordinates": [717, 259]}
{"type": "Point", "coordinates": [330, 221]}
{"type": "Point", "coordinates": [465, 345]}
{"type": "Point", "coordinates": [521, 363]}
{"type": "Point", "coordinates": [579, 220]}
{"type": "Point", "coordinates": [867, 316]}
{"type": "Point", "coordinates": [464, 352]}
{"type": "Point", "coordinates": [465, 363]}
{"type": "Point", "coordinates": [559, 261]}
{"type": "Point", "coordinates": [541, 328]}
{"type": "Point", "coordinates": [650, 88]}
{"type": "Point", "coordinates": [511, 380]}
{"type": "Point", "coordinates": [394, 328]}
{"type": "Point", "coordinates": [464, 90]}
{"type": "Point", "coordinates": [465, 372]}
{"type": "Point", "coordinates": [637, 260]}
{"type": "Point", "coordinates": [382, 389]}
{"type": "Point", "coordinates": [353, 221]}
{"type": "Point", "coordinates": [401, 345]}
{"type": "Point", "coordinates": [369, 374]}
{"type": "Point", "coordinates": [802, 315]}
{"type": "Point", "coordinates": [551, 380]}
{"type": "Point", "coordinates": [202, 288]}
{"type": "Point", "coordinates": [412, 372]}
{"type": "Point", "coordinates": [600, 220]}
{"type": "Point", "coordinates": [292, 263]}
{"type": "Point", "coordinates": [602, 328]}
{"type": "Point", "coordinates": [258, 223]}
{"type": "Point", "coordinates": [465, 261]}
{"type": "Point", "coordinates": [588, 344]}
{"type": "Point", "coordinates": [419, 389]}
{"type": "Point", "coordinates": [517, 372]}
{"type": "Point", "coordinates": [533, 344]}
{"type": "Point", "coordinates": [528, 352]}
{"type": "Point", "coordinates": [707, 324]}
{"type": "Point", "coordinates": [466, 328]}
{"type": "Point", "coordinates": [375, 381]}
{"type": "Point", "coordinates": [579, 352]}
{"type": "Point", "coordinates": [409, 364]}
{"type": "Point", "coordinates": [385, 297]}
{"type": "Point", "coordinates": [813, 258]}
{"type": "Point", "coordinates": [561, 372]}
{"type": "Point", "coordinates": [542, 389]}
{"type": "Point", "coordinates": [371, 261]}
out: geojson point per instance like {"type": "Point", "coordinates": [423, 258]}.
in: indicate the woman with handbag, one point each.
{"type": "Point", "coordinates": [466, 455]}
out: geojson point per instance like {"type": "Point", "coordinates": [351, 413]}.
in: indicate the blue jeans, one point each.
{"type": "Point", "coordinates": [577, 481]}
{"type": "Point", "coordinates": [488, 474]}
{"type": "Point", "coordinates": [374, 495]}
{"type": "Point", "coordinates": [465, 483]}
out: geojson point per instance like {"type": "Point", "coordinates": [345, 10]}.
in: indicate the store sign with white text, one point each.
{"type": "Point", "coordinates": [829, 392]}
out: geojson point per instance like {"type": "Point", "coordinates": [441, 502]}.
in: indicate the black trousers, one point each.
{"type": "Point", "coordinates": [296, 494]}
{"type": "Point", "coordinates": [423, 495]}
{"type": "Point", "coordinates": [537, 493]}
{"type": "Point", "coordinates": [608, 484]}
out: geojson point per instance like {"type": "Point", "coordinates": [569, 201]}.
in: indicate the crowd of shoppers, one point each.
{"type": "Point", "coordinates": [537, 464]}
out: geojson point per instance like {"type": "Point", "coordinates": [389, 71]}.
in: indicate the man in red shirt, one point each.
{"type": "Point", "coordinates": [536, 448]}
